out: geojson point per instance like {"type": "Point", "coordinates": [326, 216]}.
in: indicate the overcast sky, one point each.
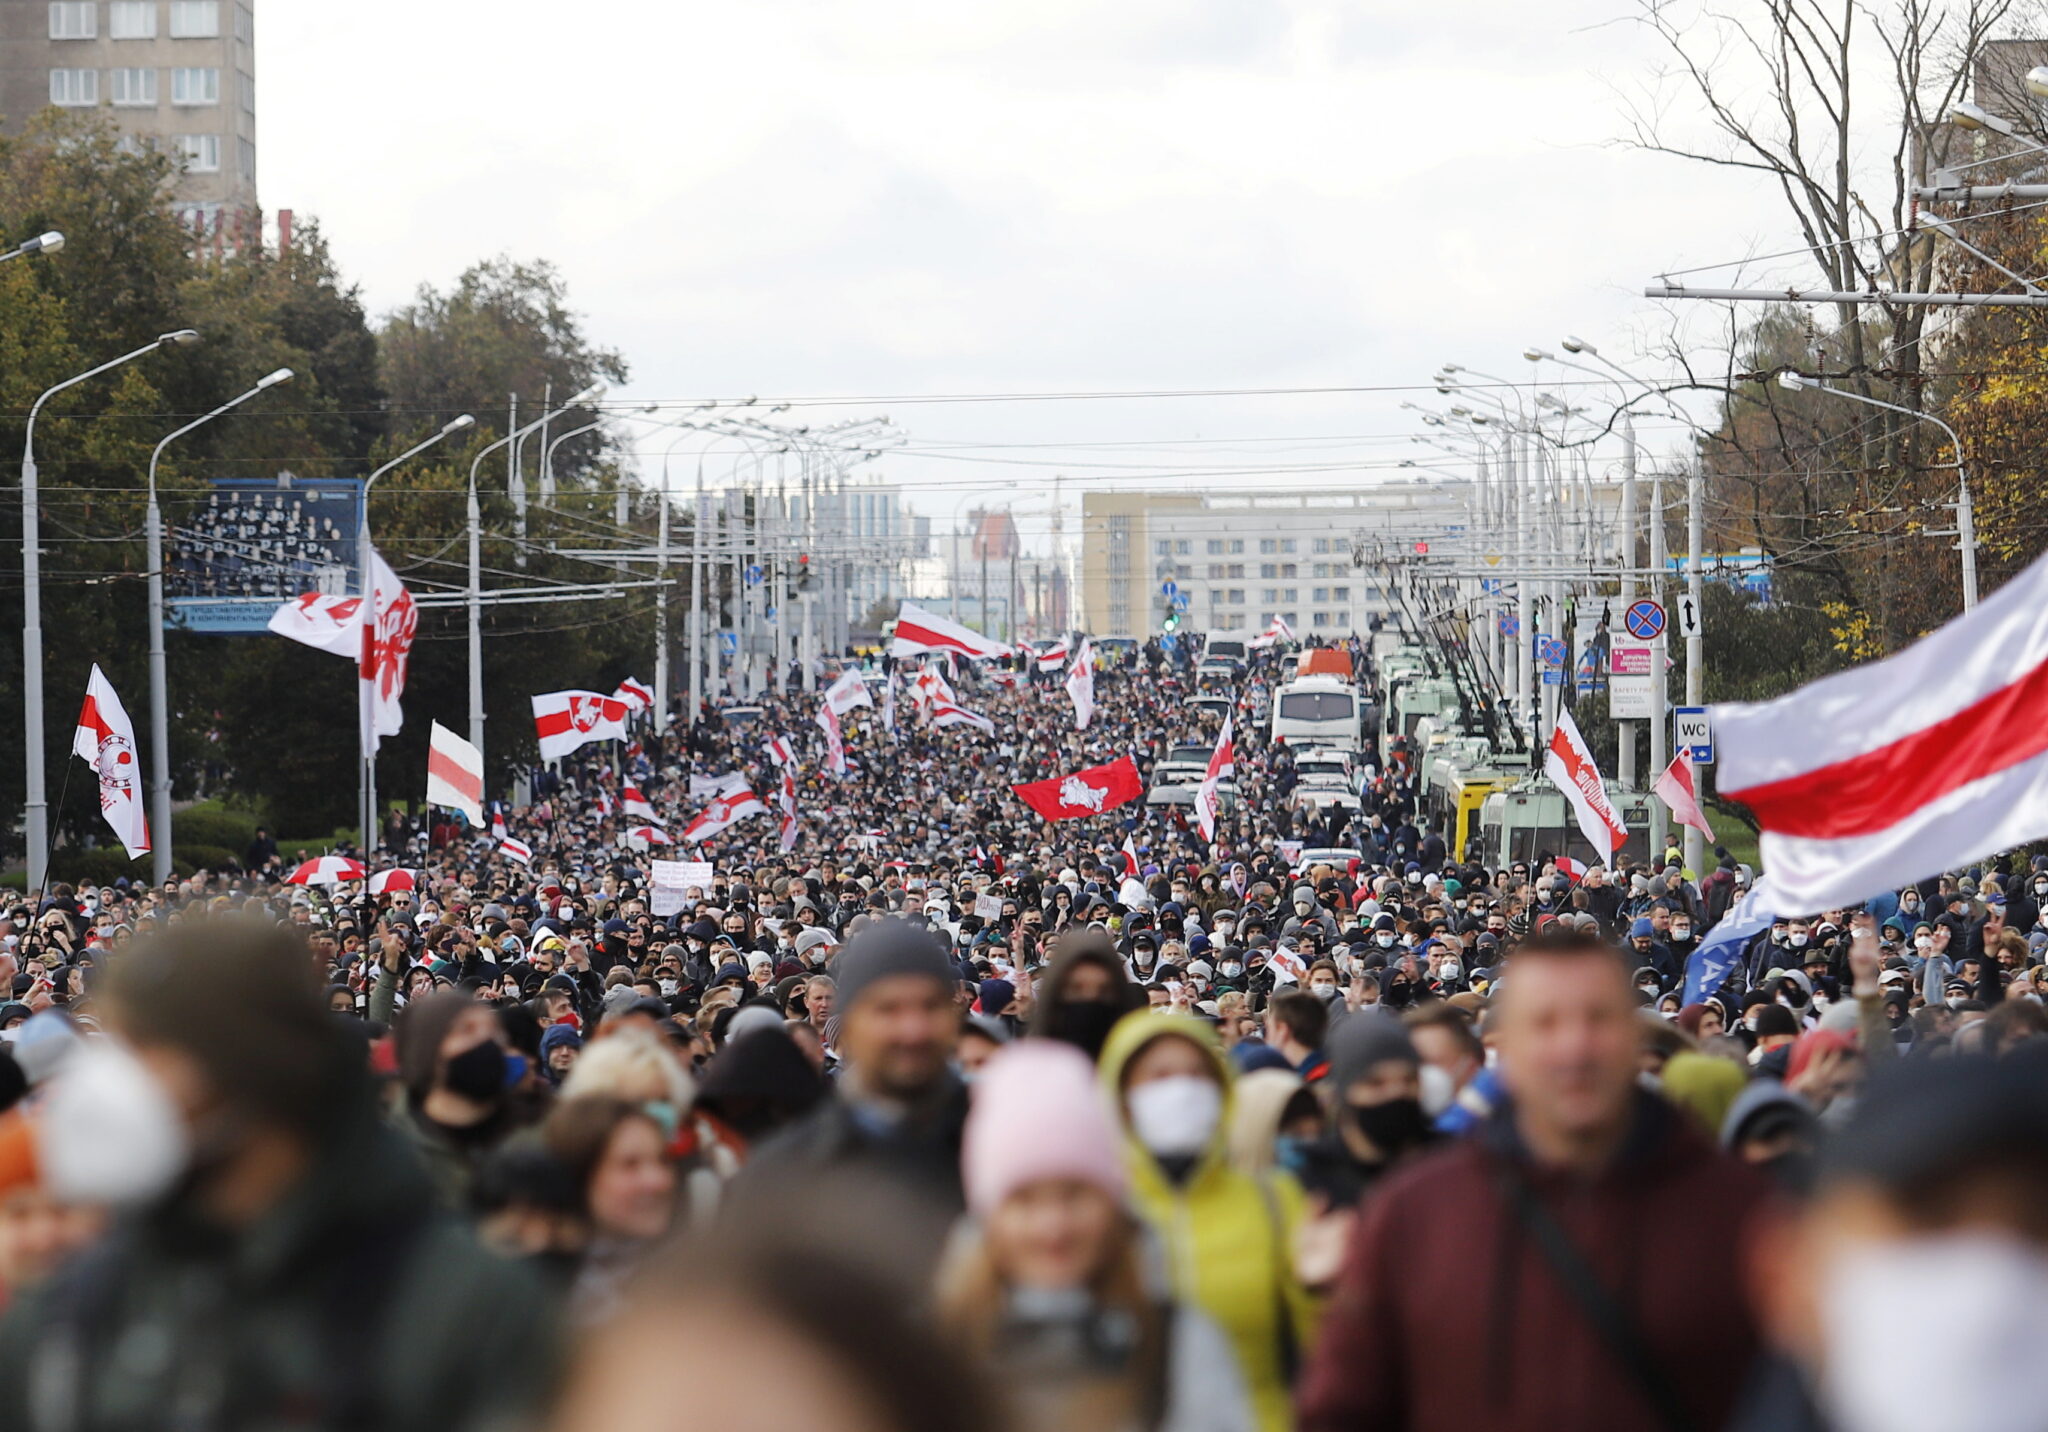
{"type": "Point", "coordinates": [800, 199]}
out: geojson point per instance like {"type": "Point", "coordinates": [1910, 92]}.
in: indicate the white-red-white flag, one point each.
{"type": "Point", "coordinates": [930, 688]}
{"type": "Point", "coordinates": [946, 713]}
{"type": "Point", "coordinates": [1287, 967]}
{"type": "Point", "coordinates": [1279, 631]}
{"type": "Point", "coordinates": [106, 740]}
{"type": "Point", "coordinates": [643, 836]}
{"type": "Point", "coordinates": [918, 630]}
{"type": "Point", "coordinates": [1055, 656]}
{"type": "Point", "coordinates": [518, 850]}
{"type": "Point", "coordinates": [565, 720]}
{"type": "Point", "coordinates": [634, 804]}
{"type": "Point", "coordinates": [787, 836]}
{"type": "Point", "coordinates": [1081, 685]}
{"type": "Point", "coordinates": [498, 831]}
{"type": "Point", "coordinates": [1208, 795]}
{"type": "Point", "coordinates": [724, 811]}
{"type": "Point", "coordinates": [1130, 855]}
{"type": "Point", "coordinates": [379, 637]}
{"type": "Point", "coordinates": [835, 743]}
{"type": "Point", "coordinates": [638, 697]}
{"type": "Point", "coordinates": [1678, 788]}
{"type": "Point", "coordinates": [1881, 775]}
{"type": "Point", "coordinates": [781, 752]}
{"type": "Point", "coordinates": [1570, 764]}
{"type": "Point", "coordinates": [455, 774]}
{"type": "Point", "coordinates": [848, 692]}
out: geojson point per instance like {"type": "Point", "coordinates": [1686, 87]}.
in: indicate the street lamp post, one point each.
{"type": "Point", "coordinates": [41, 244]}
{"type": "Point", "coordinates": [37, 822]}
{"type": "Point", "coordinates": [366, 614]}
{"type": "Point", "coordinates": [159, 698]}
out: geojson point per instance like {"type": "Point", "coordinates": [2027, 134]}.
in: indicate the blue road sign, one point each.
{"type": "Point", "coordinates": [1644, 620]}
{"type": "Point", "coordinates": [753, 574]}
{"type": "Point", "coordinates": [1180, 603]}
{"type": "Point", "coordinates": [1550, 650]}
{"type": "Point", "coordinates": [729, 643]}
{"type": "Point", "coordinates": [1510, 624]}
{"type": "Point", "coordinates": [1170, 589]}
{"type": "Point", "coordinates": [1553, 676]}
{"type": "Point", "coordinates": [1490, 586]}
{"type": "Point", "coordinates": [1693, 733]}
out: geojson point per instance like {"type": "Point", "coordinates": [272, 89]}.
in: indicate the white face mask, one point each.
{"type": "Point", "coordinates": [1384, 939]}
{"type": "Point", "coordinates": [1323, 989]}
{"type": "Point", "coordinates": [110, 1132]}
{"type": "Point", "coordinates": [1923, 942]}
{"type": "Point", "coordinates": [1438, 1090]}
{"type": "Point", "coordinates": [1798, 941]}
{"type": "Point", "coordinates": [1681, 932]}
{"type": "Point", "coordinates": [1230, 969]}
{"type": "Point", "coordinates": [1986, 1291]}
{"type": "Point", "coordinates": [1176, 1117]}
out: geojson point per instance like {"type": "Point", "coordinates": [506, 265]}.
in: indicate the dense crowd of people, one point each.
{"type": "Point", "coordinates": [924, 1113]}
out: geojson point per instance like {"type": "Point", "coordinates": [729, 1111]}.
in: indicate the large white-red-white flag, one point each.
{"type": "Point", "coordinates": [455, 774]}
{"type": "Point", "coordinates": [380, 638]}
{"type": "Point", "coordinates": [787, 836]}
{"type": "Point", "coordinates": [1081, 685]}
{"type": "Point", "coordinates": [848, 692]}
{"type": "Point", "coordinates": [1570, 764]}
{"type": "Point", "coordinates": [635, 804]}
{"type": "Point", "coordinates": [1279, 631]}
{"type": "Point", "coordinates": [1055, 656]}
{"type": "Point", "coordinates": [1679, 789]}
{"type": "Point", "coordinates": [724, 811]}
{"type": "Point", "coordinates": [517, 850]}
{"type": "Point", "coordinates": [945, 713]}
{"type": "Point", "coordinates": [1208, 796]}
{"type": "Point", "coordinates": [565, 720]}
{"type": "Point", "coordinates": [636, 696]}
{"type": "Point", "coordinates": [1889, 773]}
{"type": "Point", "coordinates": [930, 688]}
{"type": "Point", "coordinates": [106, 740]}
{"type": "Point", "coordinates": [835, 743]}
{"type": "Point", "coordinates": [918, 630]}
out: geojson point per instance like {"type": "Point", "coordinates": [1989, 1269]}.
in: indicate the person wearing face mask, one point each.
{"type": "Point", "coordinates": [1376, 1119]}
{"type": "Point", "coordinates": [1228, 1236]}
{"type": "Point", "coordinates": [456, 1075]}
{"type": "Point", "coordinates": [1049, 1283]}
{"type": "Point", "coordinates": [1083, 993]}
{"type": "Point", "coordinates": [265, 1210]}
{"type": "Point", "coordinates": [1925, 1215]}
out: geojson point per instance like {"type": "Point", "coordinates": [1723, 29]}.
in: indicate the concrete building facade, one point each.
{"type": "Point", "coordinates": [179, 75]}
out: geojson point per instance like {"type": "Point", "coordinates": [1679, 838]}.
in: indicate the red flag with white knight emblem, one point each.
{"type": "Point", "coordinates": [1089, 792]}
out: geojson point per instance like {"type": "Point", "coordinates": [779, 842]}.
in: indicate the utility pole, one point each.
{"type": "Point", "coordinates": [697, 623]}
{"type": "Point", "coordinates": [661, 688]}
{"type": "Point", "coordinates": [1626, 730]}
{"type": "Point", "coordinates": [1966, 538]}
{"type": "Point", "coordinates": [1695, 643]}
{"type": "Point", "coordinates": [1660, 754]}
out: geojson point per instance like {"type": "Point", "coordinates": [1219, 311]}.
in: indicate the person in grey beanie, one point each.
{"type": "Point", "coordinates": [899, 1107]}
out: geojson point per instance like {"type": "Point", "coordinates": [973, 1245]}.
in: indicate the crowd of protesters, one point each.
{"type": "Point", "coordinates": [931, 1115]}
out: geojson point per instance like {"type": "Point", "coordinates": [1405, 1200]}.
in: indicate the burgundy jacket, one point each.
{"type": "Point", "coordinates": [1448, 1318]}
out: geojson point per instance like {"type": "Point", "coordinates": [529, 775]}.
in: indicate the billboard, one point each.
{"type": "Point", "coordinates": [257, 542]}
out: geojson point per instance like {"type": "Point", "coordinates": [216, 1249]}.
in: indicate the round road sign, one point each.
{"type": "Point", "coordinates": [1644, 620]}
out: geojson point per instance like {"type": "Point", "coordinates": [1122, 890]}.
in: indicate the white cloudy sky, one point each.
{"type": "Point", "coordinates": [796, 198]}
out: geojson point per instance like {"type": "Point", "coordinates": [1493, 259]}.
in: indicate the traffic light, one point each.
{"type": "Point", "coordinates": [803, 573]}
{"type": "Point", "coordinates": [1172, 622]}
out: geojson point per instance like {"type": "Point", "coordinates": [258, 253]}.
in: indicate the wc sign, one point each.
{"type": "Point", "coordinates": [1693, 734]}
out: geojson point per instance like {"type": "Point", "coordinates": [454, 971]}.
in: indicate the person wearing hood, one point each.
{"type": "Point", "coordinates": [268, 1220]}
{"type": "Point", "coordinates": [457, 1077]}
{"type": "Point", "coordinates": [1083, 993]}
{"type": "Point", "coordinates": [1228, 1236]}
{"type": "Point", "coordinates": [1649, 950]}
{"type": "Point", "coordinates": [1050, 1283]}
{"type": "Point", "coordinates": [560, 1044]}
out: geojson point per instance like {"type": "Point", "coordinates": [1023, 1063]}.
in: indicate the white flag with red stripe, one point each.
{"type": "Point", "coordinates": [636, 696]}
{"type": "Point", "coordinates": [848, 692]}
{"type": "Point", "coordinates": [635, 804]}
{"type": "Point", "coordinates": [787, 836]}
{"type": "Point", "coordinates": [1081, 685]}
{"type": "Point", "coordinates": [1130, 855]}
{"type": "Point", "coordinates": [518, 850]}
{"type": "Point", "coordinates": [946, 713]}
{"type": "Point", "coordinates": [1055, 656]}
{"type": "Point", "coordinates": [106, 740]}
{"type": "Point", "coordinates": [565, 720]}
{"type": "Point", "coordinates": [382, 652]}
{"type": "Point", "coordinates": [918, 630]}
{"type": "Point", "coordinates": [1678, 788]}
{"type": "Point", "coordinates": [643, 836]}
{"type": "Point", "coordinates": [1288, 967]}
{"type": "Point", "coordinates": [835, 743]}
{"type": "Point", "coordinates": [1208, 795]}
{"type": "Point", "coordinates": [1279, 631]}
{"type": "Point", "coordinates": [1889, 773]}
{"type": "Point", "coordinates": [781, 752]}
{"type": "Point", "coordinates": [455, 774]}
{"type": "Point", "coordinates": [724, 811]}
{"type": "Point", "coordinates": [1569, 763]}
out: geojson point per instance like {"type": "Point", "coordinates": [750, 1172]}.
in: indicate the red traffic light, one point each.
{"type": "Point", "coordinates": [1422, 549]}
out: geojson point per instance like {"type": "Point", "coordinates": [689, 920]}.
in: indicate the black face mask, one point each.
{"type": "Point", "coordinates": [477, 1073]}
{"type": "Point", "coordinates": [1085, 1024]}
{"type": "Point", "coordinates": [1398, 995]}
{"type": "Point", "coordinates": [1393, 1127]}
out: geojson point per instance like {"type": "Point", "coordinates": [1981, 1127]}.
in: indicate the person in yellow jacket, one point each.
{"type": "Point", "coordinates": [1228, 1235]}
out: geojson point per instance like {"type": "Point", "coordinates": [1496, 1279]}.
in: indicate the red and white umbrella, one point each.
{"type": "Point", "coordinates": [327, 870]}
{"type": "Point", "coordinates": [386, 881]}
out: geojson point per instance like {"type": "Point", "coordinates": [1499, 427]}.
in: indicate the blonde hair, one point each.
{"type": "Point", "coordinates": [621, 1065]}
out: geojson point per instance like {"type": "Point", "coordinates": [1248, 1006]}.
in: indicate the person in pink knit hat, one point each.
{"type": "Point", "coordinates": [1053, 1282]}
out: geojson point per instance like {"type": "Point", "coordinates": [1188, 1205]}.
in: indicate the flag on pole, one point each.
{"type": "Point", "coordinates": [848, 692]}
{"type": "Point", "coordinates": [1089, 792]}
{"type": "Point", "coordinates": [929, 688]}
{"type": "Point", "coordinates": [1679, 789]}
{"type": "Point", "coordinates": [1222, 761]}
{"type": "Point", "coordinates": [636, 696]}
{"type": "Point", "coordinates": [781, 752]}
{"type": "Point", "coordinates": [724, 811]}
{"type": "Point", "coordinates": [918, 630]}
{"type": "Point", "coordinates": [1055, 656]}
{"type": "Point", "coordinates": [1130, 855]}
{"type": "Point", "coordinates": [835, 743]}
{"type": "Point", "coordinates": [105, 739]}
{"type": "Point", "coordinates": [378, 637]}
{"type": "Point", "coordinates": [1881, 775]}
{"type": "Point", "coordinates": [1279, 631]}
{"type": "Point", "coordinates": [945, 713]}
{"type": "Point", "coordinates": [455, 775]}
{"type": "Point", "coordinates": [1081, 685]}
{"type": "Point", "coordinates": [635, 804]}
{"type": "Point", "coordinates": [787, 836]}
{"type": "Point", "coordinates": [565, 720]}
{"type": "Point", "coordinates": [1569, 763]}
{"type": "Point", "coordinates": [519, 850]}
{"type": "Point", "coordinates": [648, 835]}
{"type": "Point", "coordinates": [498, 831]}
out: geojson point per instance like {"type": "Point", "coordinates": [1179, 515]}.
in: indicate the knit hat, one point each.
{"type": "Point", "coordinates": [1038, 1114]}
{"type": "Point", "coordinates": [995, 995]}
{"type": "Point", "coordinates": [750, 1018]}
{"type": "Point", "coordinates": [887, 948]}
{"type": "Point", "coordinates": [1367, 1038]}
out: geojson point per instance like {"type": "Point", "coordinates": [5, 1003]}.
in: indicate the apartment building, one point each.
{"type": "Point", "coordinates": [176, 74]}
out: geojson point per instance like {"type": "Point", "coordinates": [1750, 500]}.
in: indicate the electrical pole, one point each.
{"type": "Point", "coordinates": [697, 623]}
{"type": "Point", "coordinates": [1660, 754]}
{"type": "Point", "coordinates": [661, 688]}
{"type": "Point", "coordinates": [1626, 730]}
{"type": "Point", "coordinates": [1966, 538]}
{"type": "Point", "coordinates": [1695, 642]}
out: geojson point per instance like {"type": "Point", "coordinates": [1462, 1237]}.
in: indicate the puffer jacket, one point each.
{"type": "Point", "coordinates": [1228, 1236]}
